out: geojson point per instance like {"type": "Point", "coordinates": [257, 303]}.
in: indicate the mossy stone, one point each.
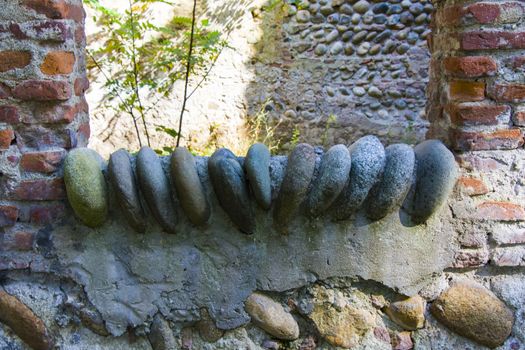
{"type": "Point", "coordinates": [86, 187]}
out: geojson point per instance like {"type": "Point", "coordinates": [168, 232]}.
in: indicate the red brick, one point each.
{"type": "Point", "coordinates": [470, 258]}
{"type": "Point", "coordinates": [82, 135]}
{"type": "Point", "coordinates": [493, 40]}
{"type": "Point", "coordinates": [81, 85]}
{"type": "Point", "coordinates": [5, 91]}
{"type": "Point", "coordinates": [53, 114]}
{"type": "Point", "coordinates": [499, 211]}
{"type": "Point", "coordinates": [6, 137]}
{"type": "Point", "coordinates": [42, 162]}
{"type": "Point", "coordinates": [484, 12]}
{"type": "Point", "coordinates": [473, 114]}
{"type": "Point", "coordinates": [58, 62]}
{"type": "Point", "coordinates": [460, 90]}
{"type": "Point", "coordinates": [10, 60]}
{"type": "Point", "coordinates": [9, 115]}
{"type": "Point", "coordinates": [39, 190]}
{"type": "Point", "coordinates": [56, 9]}
{"type": "Point", "coordinates": [508, 92]}
{"type": "Point", "coordinates": [472, 186]}
{"type": "Point", "coordinates": [18, 241]}
{"type": "Point", "coordinates": [42, 215]}
{"type": "Point", "coordinates": [478, 141]}
{"type": "Point", "coordinates": [470, 66]}
{"type": "Point", "coordinates": [509, 256]}
{"type": "Point", "coordinates": [481, 13]}
{"type": "Point", "coordinates": [8, 215]}
{"type": "Point", "coordinates": [42, 90]}
{"type": "Point", "coordinates": [517, 62]}
{"type": "Point", "coordinates": [518, 118]}
{"type": "Point", "coordinates": [41, 138]}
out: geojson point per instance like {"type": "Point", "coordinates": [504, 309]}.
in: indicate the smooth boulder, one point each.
{"type": "Point", "coordinates": [155, 188]}
{"type": "Point", "coordinates": [271, 317]}
{"type": "Point", "coordinates": [389, 193]}
{"type": "Point", "coordinates": [86, 187]}
{"type": "Point", "coordinates": [229, 185]}
{"type": "Point", "coordinates": [332, 179]}
{"type": "Point", "coordinates": [299, 173]}
{"type": "Point", "coordinates": [368, 161]}
{"type": "Point", "coordinates": [257, 165]}
{"type": "Point", "coordinates": [436, 176]}
{"type": "Point", "coordinates": [190, 191]}
{"type": "Point", "coordinates": [474, 312]}
{"type": "Point", "coordinates": [408, 313]}
{"type": "Point", "coordinates": [124, 183]}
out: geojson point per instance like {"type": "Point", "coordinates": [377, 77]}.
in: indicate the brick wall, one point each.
{"type": "Point", "coordinates": [43, 113]}
{"type": "Point", "coordinates": [476, 104]}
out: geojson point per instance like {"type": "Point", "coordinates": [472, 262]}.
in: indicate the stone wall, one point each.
{"type": "Point", "coordinates": [455, 281]}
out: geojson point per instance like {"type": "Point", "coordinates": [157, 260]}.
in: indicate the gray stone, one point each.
{"type": "Point", "coordinates": [124, 183]}
{"type": "Point", "coordinates": [368, 160]}
{"type": "Point", "coordinates": [86, 187]}
{"type": "Point", "coordinates": [257, 165]}
{"type": "Point", "coordinates": [375, 92]}
{"type": "Point", "coordinates": [303, 16]}
{"type": "Point", "coordinates": [363, 49]}
{"type": "Point", "coordinates": [299, 173]}
{"type": "Point", "coordinates": [188, 186]}
{"type": "Point", "coordinates": [332, 36]}
{"type": "Point", "coordinates": [336, 48]}
{"type": "Point", "coordinates": [331, 180]}
{"type": "Point", "coordinates": [388, 194]}
{"type": "Point", "coordinates": [436, 176]}
{"type": "Point", "coordinates": [359, 91]}
{"type": "Point", "coordinates": [320, 49]}
{"type": "Point", "coordinates": [229, 184]}
{"type": "Point", "coordinates": [161, 335]}
{"type": "Point", "coordinates": [155, 189]}
{"type": "Point", "coordinates": [271, 316]}
{"type": "Point", "coordinates": [361, 6]}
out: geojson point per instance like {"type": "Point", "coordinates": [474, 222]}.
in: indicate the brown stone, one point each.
{"type": "Point", "coordinates": [408, 313]}
{"type": "Point", "coordinates": [207, 328]}
{"type": "Point", "coordinates": [460, 90]}
{"type": "Point", "coordinates": [58, 62]}
{"type": "Point", "coordinates": [10, 60]}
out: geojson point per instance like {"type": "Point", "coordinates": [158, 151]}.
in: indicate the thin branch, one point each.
{"type": "Point", "coordinates": [188, 68]}
{"type": "Point", "coordinates": [205, 76]}
{"type": "Point", "coordinates": [130, 111]}
{"type": "Point", "coordinates": [136, 73]}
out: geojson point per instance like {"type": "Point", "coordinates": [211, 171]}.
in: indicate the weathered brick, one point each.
{"type": "Point", "coordinates": [53, 114]}
{"type": "Point", "coordinates": [41, 138]}
{"type": "Point", "coordinates": [42, 215]}
{"type": "Point", "coordinates": [5, 91]}
{"type": "Point", "coordinates": [39, 190]}
{"type": "Point", "coordinates": [518, 118]}
{"type": "Point", "coordinates": [42, 162]}
{"type": "Point", "coordinates": [6, 137]}
{"type": "Point", "coordinates": [42, 90]}
{"type": "Point", "coordinates": [470, 258]}
{"type": "Point", "coordinates": [18, 241]}
{"type": "Point", "coordinates": [473, 114]}
{"type": "Point", "coordinates": [58, 62]}
{"type": "Point", "coordinates": [499, 211]}
{"type": "Point", "coordinates": [509, 256]}
{"type": "Point", "coordinates": [481, 13]}
{"type": "Point", "coordinates": [82, 134]}
{"type": "Point", "coordinates": [10, 60]}
{"type": "Point", "coordinates": [474, 162]}
{"type": "Point", "coordinates": [485, 40]}
{"type": "Point", "coordinates": [472, 186]}
{"type": "Point", "coordinates": [9, 115]}
{"type": "Point", "coordinates": [81, 85]}
{"type": "Point", "coordinates": [508, 92]}
{"type": "Point", "coordinates": [15, 262]}
{"type": "Point", "coordinates": [516, 61]}
{"type": "Point", "coordinates": [56, 9]}
{"type": "Point", "coordinates": [469, 66]}
{"type": "Point", "coordinates": [57, 31]}
{"type": "Point", "coordinates": [460, 90]}
{"type": "Point", "coordinates": [478, 141]}
{"type": "Point", "coordinates": [8, 215]}
{"type": "Point", "coordinates": [472, 239]}
{"type": "Point", "coordinates": [506, 234]}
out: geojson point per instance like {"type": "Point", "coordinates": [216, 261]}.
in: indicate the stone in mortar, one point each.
{"type": "Point", "coordinates": [436, 176]}
{"type": "Point", "coordinates": [271, 316]}
{"type": "Point", "coordinates": [299, 173]}
{"type": "Point", "coordinates": [188, 186]}
{"type": "Point", "coordinates": [86, 187]}
{"type": "Point", "coordinates": [333, 176]}
{"type": "Point", "coordinates": [229, 184]}
{"type": "Point", "coordinates": [161, 335]}
{"type": "Point", "coordinates": [408, 313]}
{"type": "Point", "coordinates": [155, 188]}
{"type": "Point", "coordinates": [122, 178]}
{"type": "Point", "coordinates": [388, 194]}
{"type": "Point", "coordinates": [257, 165]}
{"type": "Point", "coordinates": [368, 161]}
{"type": "Point", "coordinates": [472, 311]}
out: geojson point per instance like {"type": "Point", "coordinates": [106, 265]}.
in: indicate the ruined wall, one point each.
{"type": "Point", "coordinates": [455, 281]}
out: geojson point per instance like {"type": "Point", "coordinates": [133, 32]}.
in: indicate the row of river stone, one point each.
{"type": "Point", "coordinates": [365, 175]}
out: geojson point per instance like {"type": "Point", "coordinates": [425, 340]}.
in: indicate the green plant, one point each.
{"type": "Point", "coordinates": [332, 119]}
{"type": "Point", "coordinates": [141, 61]}
{"type": "Point", "coordinates": [261, 129]}
{"type": "Point", "coordinates": [296, 136]}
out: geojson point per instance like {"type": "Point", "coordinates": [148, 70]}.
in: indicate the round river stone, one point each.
{"type": "Point", "coordinates": [122, 177]}
{"type": "Point", "coordinates": [155, 188]}
{"type": "Point", "coordinates": [332, 178]}
{"type": "Point", "coordinates": [188, 186]}
{"type": "Point", "coordinates": [368, 161]}
{"type": "Point", "coordinates": [229, 184]}
{"type": "Point", "coordinates": [257, 165]}
{"type": "Point", "coordinates": [299, 172]}
{"type": "Point", "coordinates": [388, 194]}
{"type": "Point", "coordinates": [86, 187]}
